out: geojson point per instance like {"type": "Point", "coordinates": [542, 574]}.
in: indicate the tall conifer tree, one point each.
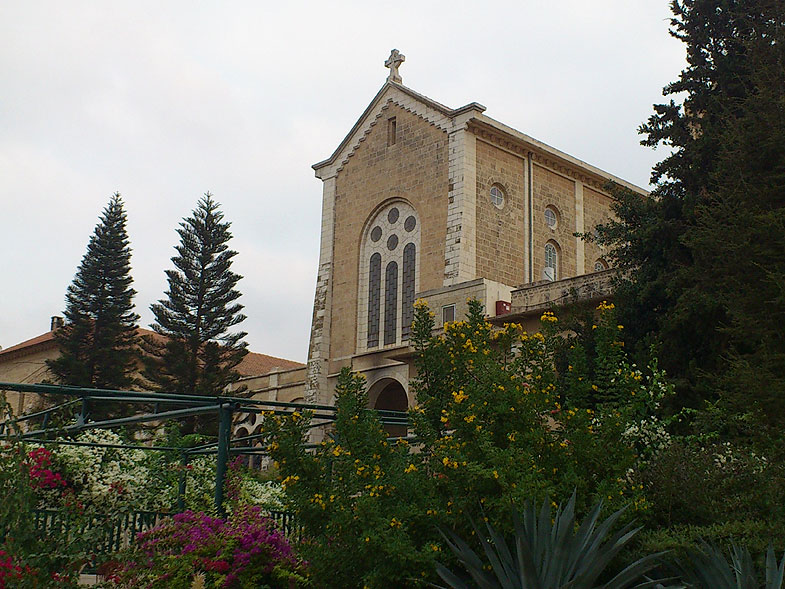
{"type": "Point", "coordinates": [198, 353]}
{"type": "Point", "coordinates": [703, 259]}
{"type": "Point", "coordinates": [98, 341]}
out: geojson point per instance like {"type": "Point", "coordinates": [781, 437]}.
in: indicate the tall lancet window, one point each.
{"type": "Point", "coordinates": [388, 276]}
{"type": "Point", "coordinates": [374, 299]}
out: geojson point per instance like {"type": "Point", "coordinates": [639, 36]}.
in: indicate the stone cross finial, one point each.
{"type": "Point", "coordinates": [394, 62]}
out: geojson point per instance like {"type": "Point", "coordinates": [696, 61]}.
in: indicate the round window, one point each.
{"type": "Point", "coordinates": [376, 233]}
{"type": "Point", "coordinates": [497, 196]}
{"type": "Point", "coordinates": [393, 215]}
{"type": "Point", "coordinates": [600, 265]}
{"type": "Point", "coordinates": [551, 218]}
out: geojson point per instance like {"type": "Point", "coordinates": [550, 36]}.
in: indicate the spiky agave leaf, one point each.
{"type": "Point", "coordinates": [549, 554]}
{"type": "Point", "coordinates": [709, 568]}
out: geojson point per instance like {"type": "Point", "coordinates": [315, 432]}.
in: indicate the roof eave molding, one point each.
{"type": "Point", "coordinates": [434, 112]}
{"type": "Point", "coordinates": [485, 125]}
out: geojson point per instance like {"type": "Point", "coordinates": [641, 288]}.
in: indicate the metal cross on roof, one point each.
{"type": "Point", "coordinates": [394, 62]}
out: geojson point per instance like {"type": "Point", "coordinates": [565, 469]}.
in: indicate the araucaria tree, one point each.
{"type": "Point", "coordinates": [98, 341]}
{"type": "Point", "coordinates": [197, 354]}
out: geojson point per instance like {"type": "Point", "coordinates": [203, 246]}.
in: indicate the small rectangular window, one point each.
{"type": "Point", "coordinates": [391, 131]}
{"type": "Point", "coordinates": [448, 314]}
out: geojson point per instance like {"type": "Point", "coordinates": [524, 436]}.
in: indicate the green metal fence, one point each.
{"type": "Point", "coordinates": [36, 427]}
{"type": "Point", "coordinates": [110, 533]}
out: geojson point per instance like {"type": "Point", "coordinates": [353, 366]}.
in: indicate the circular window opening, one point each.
{"type": "Point", "coordinates": [393, 215]}
{"type": "Point", "coordinates": [497, 196]}
{"type": "Point", "coordinates": [410, 223]}
{"type": "Point", "coordinates": [392, 242]}
{"type": "Point", "coordinates": [376, 233]}
{"type": "Point", "coordinates": [551, 218]}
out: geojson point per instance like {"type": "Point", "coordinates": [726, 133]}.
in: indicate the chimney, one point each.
{"type": "Point", "coordinates": [56, 323]}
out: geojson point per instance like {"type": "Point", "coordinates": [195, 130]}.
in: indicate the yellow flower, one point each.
{"type": "Point", "coordinates": [410, 468]}
{"type": "Point", "coordinates": [394, 523]}
{"type": "Point", "coordinates": [469, 418]}
{"type": "Point", "coordinates": [459, 397]}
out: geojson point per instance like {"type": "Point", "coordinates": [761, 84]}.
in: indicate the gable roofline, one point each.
{"type": "Point", "coordinates": [478, 120]}
{"type": "Point", "coordinates": [437, 106]}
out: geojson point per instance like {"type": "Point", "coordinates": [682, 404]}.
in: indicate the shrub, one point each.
{"type": "Point", "coordinates": [245, 550]}
{"type": "Point", "coordinates": [494, 426]}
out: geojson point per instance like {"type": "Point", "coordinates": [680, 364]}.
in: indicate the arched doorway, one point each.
{"type": "Point", "coordinates": [392, 397]}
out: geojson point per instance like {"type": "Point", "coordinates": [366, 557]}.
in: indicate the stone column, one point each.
{"type": "Point", "coordinates": [460, 252]}
{"type": "Point", "coordinates": [319, 348]}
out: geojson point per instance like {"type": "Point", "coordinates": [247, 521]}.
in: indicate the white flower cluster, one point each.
{"type": "Point", "coordinates": [114, 479]}
{"type": "Point", "coordinates": [728, 456]}
{"type": "Point", "coordinates": [648, 435]}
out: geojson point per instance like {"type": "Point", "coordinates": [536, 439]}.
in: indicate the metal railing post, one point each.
{"type": "Point", "coordinates": [224, 432]}
{"type": "Point", "coordinates": [182, 484]}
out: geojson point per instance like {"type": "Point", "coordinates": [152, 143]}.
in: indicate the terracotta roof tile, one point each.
{"type": "Point", "coordinates": [254, 364]}
{"type": "Point", "coordinates": [41, 339]}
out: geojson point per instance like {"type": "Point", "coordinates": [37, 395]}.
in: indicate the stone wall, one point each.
{"type": "Point", "coordinates": [540, 297]}
{"type": "Point", "coordinates": [597, 211]}
{"type": "Point", "coordinates": [557, 191]}
{"type": "Point", "coordinates": [415, 169]}
{"type": "Point", "coordinates": [501, 238]}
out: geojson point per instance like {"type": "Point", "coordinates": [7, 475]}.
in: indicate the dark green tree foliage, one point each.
{"type": "Point", "coordinates": [198, 353]}
{"type": "Point", "coordinates": [704, 255]}
{"type": "Point", "coordinates": [739, 238]}
{"type": "Point", "coordinates": [98, 341]}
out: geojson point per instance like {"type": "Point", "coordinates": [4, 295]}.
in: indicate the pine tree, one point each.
{"type": "Point", "coordinates": [98, 341]}
{"type": "Point", "coordinates": [197, 354]}
{"type": "Point", "coordinates": [702, 260]}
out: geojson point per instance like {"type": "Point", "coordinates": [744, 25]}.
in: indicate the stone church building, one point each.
{"type": "Point", "coordinates": [424, 201]}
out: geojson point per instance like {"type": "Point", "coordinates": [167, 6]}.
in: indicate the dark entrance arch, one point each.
{"type": "Point", "coordinates": [393, 398]}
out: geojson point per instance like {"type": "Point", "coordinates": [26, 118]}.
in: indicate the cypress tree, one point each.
{"type": "Point", "coordinates": [197, 354]}
{"type": "Point", "coordinates": [702, 260]}
{"type": "Point", "coordinates": [98, 341]}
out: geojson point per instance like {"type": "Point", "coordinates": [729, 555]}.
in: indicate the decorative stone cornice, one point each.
{"type": "Point", "coordinates": [392, 94]}
{"type": "Point", "coordinates": [524, 149]}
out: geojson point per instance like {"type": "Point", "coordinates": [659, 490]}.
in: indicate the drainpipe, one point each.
{"type": "Point", "coordinates": [531, 218]}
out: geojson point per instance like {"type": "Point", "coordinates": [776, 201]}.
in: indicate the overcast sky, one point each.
{"type": "Point", "coordinates": [164, 100]}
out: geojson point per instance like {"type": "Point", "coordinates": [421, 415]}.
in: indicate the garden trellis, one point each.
{"type": "Point", "coordinates": [165, 407]}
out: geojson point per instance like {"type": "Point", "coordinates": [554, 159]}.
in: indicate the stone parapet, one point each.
{"type": "Point", "coordinates": [580, 289]}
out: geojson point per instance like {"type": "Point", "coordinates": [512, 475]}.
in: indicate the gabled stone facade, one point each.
{"type": "Point", "coordinates": [490, 211]}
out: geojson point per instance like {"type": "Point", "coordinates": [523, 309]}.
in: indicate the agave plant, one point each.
{"type": "Point", "coordinates": [549, 554]}
{"type": "Point", "coordinates": [708, 568]}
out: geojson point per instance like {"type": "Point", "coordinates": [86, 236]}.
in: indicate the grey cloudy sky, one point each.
{"type": "Point", "coordinates": [164, 100]}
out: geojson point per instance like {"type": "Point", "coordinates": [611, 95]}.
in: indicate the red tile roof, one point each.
{"type": "Point", "coordinates": [253, 364]}
{"type": "Point", "coordinates": [36, 341]}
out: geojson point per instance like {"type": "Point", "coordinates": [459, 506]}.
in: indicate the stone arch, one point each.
{"type": "Point", "coordinates": [389, 394]}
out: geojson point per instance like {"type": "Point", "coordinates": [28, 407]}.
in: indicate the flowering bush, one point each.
{"type": "Point", "coordinates": [495, 424]}
{"type": "Point", "coordinates": [119, 480]}
{"type": "Point", "coordinates": [245, 550]}
{"type": "Point", "coordinates": [28, 558]}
